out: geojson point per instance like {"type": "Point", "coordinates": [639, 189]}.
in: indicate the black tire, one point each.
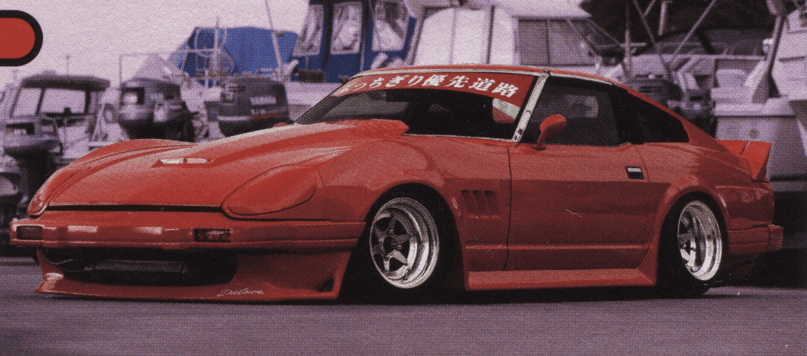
{"type": "Point", "coordinates": [691, 249]}
{"type": "Point", "coordinates": [402, 257]}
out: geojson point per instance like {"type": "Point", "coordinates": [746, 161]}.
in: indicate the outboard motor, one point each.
{"type": "Point", "coordinates": [152, 108]}
{"type": "Point", "coordinates": [9, 179]}
{"type": "Point", "coordinates": [49, 113]}
{"type": "Point", "coordinates": [9, 197]}
{"type": "Point", "coordinates": [251, 103]}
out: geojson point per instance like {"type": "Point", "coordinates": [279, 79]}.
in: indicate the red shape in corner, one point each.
{"type": "Point", "coordinates": [16, 38]}
{"type": "Point", "coordinates": [20, 38]}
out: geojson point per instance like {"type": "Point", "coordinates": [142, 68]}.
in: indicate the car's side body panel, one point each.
{"type": "Point", "coordinates": [578, 208]}
{"type": "Point", "coordinates": [471, 176]}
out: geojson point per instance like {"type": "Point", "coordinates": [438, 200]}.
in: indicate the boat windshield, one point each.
{"type": "Point", "coordinates": [482, 105]}
{"type": "Point", "coordinates": [390, 23]}
{"type": "Point", "coordinates": [54, 101]}
{"type": "Point", "coordinates": [562, 42]}
{"type": "Point", "coordinates": [308, 43]}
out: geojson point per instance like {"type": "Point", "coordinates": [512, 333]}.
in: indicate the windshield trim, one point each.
{"type": "Point", "coordinates": [529, 107]}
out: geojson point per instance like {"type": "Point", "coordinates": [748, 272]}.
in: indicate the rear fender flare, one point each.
{"type": "Point", "coordinates": [673, 196]}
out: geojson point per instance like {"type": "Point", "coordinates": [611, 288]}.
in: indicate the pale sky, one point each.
{"type": "Point", "coordinates": [95, 32]}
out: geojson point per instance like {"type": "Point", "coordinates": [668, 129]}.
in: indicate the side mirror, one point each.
{"type": "Point", "coordinates": [550, 127]}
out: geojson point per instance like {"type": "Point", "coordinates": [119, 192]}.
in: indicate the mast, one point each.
{"type": "Point", "coordinates": [278, 58]}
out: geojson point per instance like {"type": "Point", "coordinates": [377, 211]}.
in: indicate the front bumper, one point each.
{"type": "Point", "coordinates": [273, 260]}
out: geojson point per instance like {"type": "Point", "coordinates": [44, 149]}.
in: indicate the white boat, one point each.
{"type": "Point", "coordinates": [49, 121]}
{"type": "Point", "coordinates": [549, 33]}
{"type": "Point", "coordinates": [770, 104]}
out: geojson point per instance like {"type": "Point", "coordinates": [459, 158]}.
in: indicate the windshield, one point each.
{"type": "Point", "coordinates": [483, 105]}
{"type": "Point", "coordinates": [27, 102]}
{"type": "Point", "coordinates": [53, 101]}
{"type": "Point", "coordinates": [562, 42]}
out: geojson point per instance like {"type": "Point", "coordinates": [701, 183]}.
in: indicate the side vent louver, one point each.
{"type": "Point", "coordinates": [481, 203]}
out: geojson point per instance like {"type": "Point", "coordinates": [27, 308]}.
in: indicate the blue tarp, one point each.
{"type": "Point", "coordinates": [250, 48]}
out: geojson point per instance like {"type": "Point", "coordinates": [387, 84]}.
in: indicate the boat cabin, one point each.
{"type": "Point", "coordinates": [551, 33]}
{"type": "Point", "coordinates": [340, 38]}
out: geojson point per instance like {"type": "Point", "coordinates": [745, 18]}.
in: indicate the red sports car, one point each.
{"type": "Point", "coordinates": [410, 181]}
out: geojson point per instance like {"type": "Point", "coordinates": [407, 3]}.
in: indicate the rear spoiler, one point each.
{"type": "Point", "coordinates": [753, 155]}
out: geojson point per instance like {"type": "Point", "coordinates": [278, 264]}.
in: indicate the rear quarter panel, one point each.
{"type": "Point", "coordinates": [688, 169]}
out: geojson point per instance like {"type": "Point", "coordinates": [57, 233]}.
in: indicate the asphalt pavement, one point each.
{"type": "Point", "coordinates": [739, 320]}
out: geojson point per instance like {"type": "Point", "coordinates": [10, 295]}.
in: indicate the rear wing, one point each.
{"type": "Point", "coordinates": [753, 155]}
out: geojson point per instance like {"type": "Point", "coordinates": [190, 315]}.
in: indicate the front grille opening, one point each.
{"type": "Point", "coordinates": [150, 267]}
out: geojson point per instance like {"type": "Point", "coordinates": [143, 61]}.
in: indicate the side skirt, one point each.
{"type": "Point", "coordinates": [557, 279]}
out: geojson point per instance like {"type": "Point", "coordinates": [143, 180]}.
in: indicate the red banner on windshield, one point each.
{"type": "Point", "coordinates": [511, 88]}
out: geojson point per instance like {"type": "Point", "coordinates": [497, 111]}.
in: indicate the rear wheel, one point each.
{"type": "Point", "coordinates": [690, 250]}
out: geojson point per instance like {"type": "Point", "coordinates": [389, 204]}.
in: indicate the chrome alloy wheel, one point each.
{"type": "Point", "coordinates": [699, 240]}
{"type": "Point", "coordinates": [404, 243]}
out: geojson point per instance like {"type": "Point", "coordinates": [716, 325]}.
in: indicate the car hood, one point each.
{"type": "Point", "coordinates": [206, 174]}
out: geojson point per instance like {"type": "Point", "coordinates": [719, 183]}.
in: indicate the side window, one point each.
{"type": "Point", "coordinates": [308, 42]}
{"type": "Point", "coordinates": [588, 109]}
{"type": "Point", "coordinates": [389, 22]}
{"type": "Point", "coordinates": [658, 126]}
{"type": "Point", "coordinates": [532, 43]}
{"type": "Point", "coordinates": [346, 36]}
{"type": "Point", "coordinates": [460, 114]}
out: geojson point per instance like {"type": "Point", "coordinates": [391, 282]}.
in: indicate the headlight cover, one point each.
{"type": "Point", "coordinates": [275, 190]}
{"type": "Point", "coordinates": [55, 181]}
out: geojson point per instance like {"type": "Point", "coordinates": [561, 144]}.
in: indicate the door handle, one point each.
{"type": "Point", "coordinates": [634, 172]}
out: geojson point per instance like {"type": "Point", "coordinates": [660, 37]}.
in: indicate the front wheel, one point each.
{"type": "Point", "coordinates": [404, 243]}
{"type": "Point", "coordinates": [403, 255]}
{"type": "Point", "coordinates": [690, 250]}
